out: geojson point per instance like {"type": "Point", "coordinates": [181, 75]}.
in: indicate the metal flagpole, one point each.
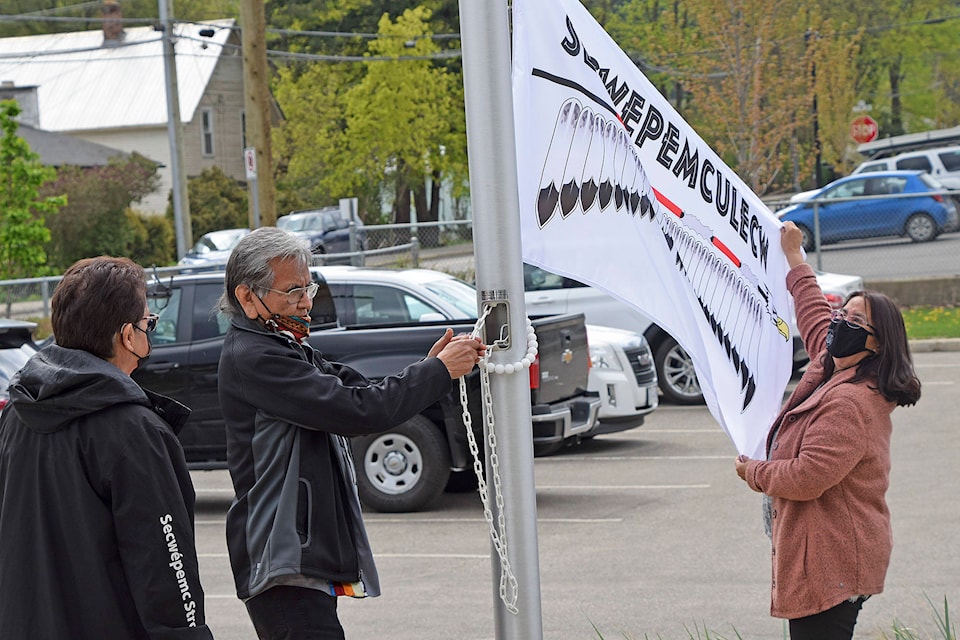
{"type": "Point", "coordinates": [485, 34]}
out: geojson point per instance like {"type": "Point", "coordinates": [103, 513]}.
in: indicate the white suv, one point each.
{"type": "Point", "coordinates": [621, 372]}
{"type": "Point", "coordinates": [942, 163]}
{"type": "Point", "coordinates": [547, 293]}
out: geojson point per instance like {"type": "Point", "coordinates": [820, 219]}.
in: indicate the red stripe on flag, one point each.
{"type": "Point", "coordinates": [726, 251]}
{"type": "Point", "coordinates": [665, 201]}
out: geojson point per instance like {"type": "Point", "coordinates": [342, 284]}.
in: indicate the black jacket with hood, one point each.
{"type": "Point", "coordinates": [96, 507]}
{"type": "Point", "coordinates": [287, 410]}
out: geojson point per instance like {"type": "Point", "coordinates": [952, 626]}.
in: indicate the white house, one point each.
{"type": "Point", "coordinates": [107, 87]}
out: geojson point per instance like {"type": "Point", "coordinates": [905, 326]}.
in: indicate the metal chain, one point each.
{"type": "Point", "coordinates": [509, 588]}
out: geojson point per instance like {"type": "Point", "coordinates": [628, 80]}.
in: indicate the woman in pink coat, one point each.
{"type": "Point", "coordinates": [828, 456]}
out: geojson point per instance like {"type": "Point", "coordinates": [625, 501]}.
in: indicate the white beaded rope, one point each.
{"type": "Point", "coordinates": [524, 362]}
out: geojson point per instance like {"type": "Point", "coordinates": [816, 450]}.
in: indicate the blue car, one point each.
{"type": "Point", "coordinates": [862, 206]}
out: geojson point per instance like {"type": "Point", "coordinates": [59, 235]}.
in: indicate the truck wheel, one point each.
{"type": "Point", "coordinates": [678, 380]}
{"type": "Point", "coordinates": [544, 450]}
{"type": "Point", "coordinates": [404, 469]}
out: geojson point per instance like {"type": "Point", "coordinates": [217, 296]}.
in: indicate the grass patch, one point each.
{"type": "Point", "coordinates": [945, 629]}
{"type": "Point", "coordinates": [932, 322]}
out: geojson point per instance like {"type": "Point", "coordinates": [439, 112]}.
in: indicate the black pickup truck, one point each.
{"type": "Point", "coordinates": [406, 468]}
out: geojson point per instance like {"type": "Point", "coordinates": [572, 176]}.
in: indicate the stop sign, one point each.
{"type": "Point", "coordinates": [864, 129]}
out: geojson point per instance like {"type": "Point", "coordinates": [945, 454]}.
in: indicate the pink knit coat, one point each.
{"type": "Point", "coordinates": [828, 473]}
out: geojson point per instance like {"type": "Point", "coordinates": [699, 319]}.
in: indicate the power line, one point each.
{"type": "Point", "coordinates": [82, 5]}
{"type": "Point", "coordinates": [32, 17]}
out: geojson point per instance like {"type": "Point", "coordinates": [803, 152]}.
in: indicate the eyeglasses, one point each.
{"type": "Point", "coordinates": [151, 323]}
{"type": "Point", "coordinates": [294, 295]}
{"type": "Point", "coordinates": [854, 322]}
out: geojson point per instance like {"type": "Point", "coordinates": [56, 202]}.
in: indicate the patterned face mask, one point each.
{"type": "Point", "coordinates": [295, 326]}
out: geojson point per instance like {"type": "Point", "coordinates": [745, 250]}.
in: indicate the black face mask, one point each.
{"type": "Point", "coordinates": [844, 340]}
{"type": "Point", "coordinates": [141, 359]}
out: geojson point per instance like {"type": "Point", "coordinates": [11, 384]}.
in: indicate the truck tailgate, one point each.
{"type": "Point", "coordinates": [564, 357]}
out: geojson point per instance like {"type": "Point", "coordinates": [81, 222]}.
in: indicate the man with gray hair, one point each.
{"type": "Point", "coordinates": [295, 532]}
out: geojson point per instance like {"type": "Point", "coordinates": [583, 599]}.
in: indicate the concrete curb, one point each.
{"type": "Point", "coordinates": [935, 344]}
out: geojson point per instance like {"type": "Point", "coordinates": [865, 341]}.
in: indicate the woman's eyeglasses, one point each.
{"type": "Point", "coordinates": [854, 322]}
{"type": "Point", "coordinates": [294, 295]}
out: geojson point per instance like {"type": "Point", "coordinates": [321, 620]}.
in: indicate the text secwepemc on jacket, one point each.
{"type": "Point", "coordinates": [286, 408]}
{"type": "Point", "coordinates": [828, 474]}
{"type": "Point", "coordinates": [96, 507]}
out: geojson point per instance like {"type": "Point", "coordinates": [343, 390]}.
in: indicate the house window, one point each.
{"type": "Point", "coordinates": [206, 131]}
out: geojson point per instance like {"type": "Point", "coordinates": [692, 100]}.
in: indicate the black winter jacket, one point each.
{"type": "Point", "coordinates": [287, 410]}
{"type": "Point", "coordinates": [96, 507]}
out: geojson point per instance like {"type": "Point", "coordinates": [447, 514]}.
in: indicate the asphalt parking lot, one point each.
{"type": "Point", "coordinates": [648, 533]}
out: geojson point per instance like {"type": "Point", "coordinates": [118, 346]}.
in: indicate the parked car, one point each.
{"type": "Point", "coordinates": [326, 229]}
{"type": "Point", "coordinates": [407, 467]}
{"type": "Point", "coordinates": [550, 293]}
{"type": "Point", "coordinates": [16, 347]}
{"type": "Point", "coordinates": [854, 208]}
{"type": "Point", "coordinates": [943, 163]}
{"type": "Point", "coordinates": [622, 371]}
{"type": "Point", "coordinates": [212, 249]}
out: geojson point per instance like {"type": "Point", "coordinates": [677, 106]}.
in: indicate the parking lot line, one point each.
{"type": "Point", "coordinates": [581, 458]}
{"type": "Point", "coordinates": [619, 487]}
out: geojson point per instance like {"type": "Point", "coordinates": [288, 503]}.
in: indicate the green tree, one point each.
{"type": "Point", "coordinates": [305, 143]}
{"type": "Point", "coordinates": [907, 52]}
{"type": "Point", "coordinates": [405, 124]}
{"type": "Point", "coordinates": [217, 201]}
{"type": "Point", "coordinates": [94, 222]}
{"type": "Point", "coordinates": [87, 15]}
{"type": "Point", "coordinates": [751, 87]}
{"type": "Point", "coordinates": [153, 239]}
{"type": "Point", "coordinates": [655, 35]}
{"type": "Point", "coordinates": [312, 143]}
{"type": "Point", "coordinates": [834, 57]}
{"type": "Point", "coordinates": [23, 230]}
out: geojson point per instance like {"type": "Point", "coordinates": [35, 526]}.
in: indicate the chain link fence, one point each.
{"type": "Point", "coordinates": [445, 246]}
{"type": "Point", "coordinates": [847, 219]}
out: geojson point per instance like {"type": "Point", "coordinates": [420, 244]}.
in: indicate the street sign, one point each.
{"type": "Point", "coordinates": [250, 162]}
{"type": "Point", "coordinates": [864, 129]}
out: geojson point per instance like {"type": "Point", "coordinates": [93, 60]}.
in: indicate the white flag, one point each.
{"type": "Point", "coordinates": [618, 192]}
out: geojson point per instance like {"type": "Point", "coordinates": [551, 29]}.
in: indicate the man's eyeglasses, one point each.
{"type": "Point", "coordinates": [854, 322]}
{"type": "Point", "coordinates": [151, 323]}
{"type": "Point", "coordinates": [294, 295]}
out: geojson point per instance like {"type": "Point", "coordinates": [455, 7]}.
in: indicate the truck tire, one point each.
{"type": "Point", "coordinates": [678, 380]}
{"type": "Point", "coordinates": [404, 469]}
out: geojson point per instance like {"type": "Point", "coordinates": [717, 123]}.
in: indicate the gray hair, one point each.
{"type": "Point", "coordinates": [249, 263]}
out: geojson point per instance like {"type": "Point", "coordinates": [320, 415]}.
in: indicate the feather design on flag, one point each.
{"type": "Point", "coordinates": [556, 161]}
{"type": "Point", "coordinates": [594, 161]}
{"type": "Point", "coordinates": [573, 171]}
{"type": "Point", "coordinates": [612, 151]}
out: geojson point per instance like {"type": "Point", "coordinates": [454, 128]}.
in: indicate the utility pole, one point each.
{"type": "Point", "coordinates": [181, 202]}
{"type": "Point", "coordinates": [256, 103]}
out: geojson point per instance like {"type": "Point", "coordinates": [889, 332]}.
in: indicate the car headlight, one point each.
{"type": "Point", "coordinates": [603, 356]}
